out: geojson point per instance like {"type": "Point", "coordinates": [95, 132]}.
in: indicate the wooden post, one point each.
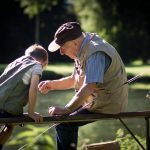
{"type": "Point", "coordinates": [111, 145]}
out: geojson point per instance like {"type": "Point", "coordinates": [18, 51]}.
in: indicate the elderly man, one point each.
{"type": "Point", "coordinates": [99, 79]}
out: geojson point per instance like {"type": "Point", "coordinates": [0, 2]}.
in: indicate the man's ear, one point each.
{"type": "Point", "coordinates": [75, 42]}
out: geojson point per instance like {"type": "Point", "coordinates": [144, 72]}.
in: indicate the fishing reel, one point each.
{"type": "Point", "coordinates": [148, 95]}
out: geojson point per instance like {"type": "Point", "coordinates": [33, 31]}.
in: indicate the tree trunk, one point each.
{"type": "Point", "coordinates": [37, 28]}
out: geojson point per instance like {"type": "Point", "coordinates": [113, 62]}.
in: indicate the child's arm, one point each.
{"type": "Point", "coordinates": [32, 99]}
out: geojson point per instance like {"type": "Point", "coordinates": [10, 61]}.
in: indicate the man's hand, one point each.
{"type": "Point", "coordinates": [45, 86]}
{"type": "Point", "coordinates": [36, 116]}
{"type": "Point", "coordinates": [57, 111]}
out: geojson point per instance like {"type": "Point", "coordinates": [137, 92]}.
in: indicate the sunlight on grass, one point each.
{"type": "Point", "coordinates": [140, 86]}
{"type": "Point", "coordinates": [61, 68]}
{"type": "Point", "coordinates": [135, 70]}
{"type": "Point", "coordinates": [137, 63]}
{"type": "Point", "coordinates": [137, 67]}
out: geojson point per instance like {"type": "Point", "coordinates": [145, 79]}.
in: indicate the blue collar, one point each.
{"type": "Point", "coordinates": [85, 41]}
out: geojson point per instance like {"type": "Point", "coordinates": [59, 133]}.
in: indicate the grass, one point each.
{"type": "Point", "coordinates": [102, 130]}
{"type": "Point", "coordinates": [140, 86]}
{"type": "Point", "coordinates": [135, 70]}
{"type": "Point", "coordinates": [63, 69]}
{"type": "Point", "coordinates": [136, 67]}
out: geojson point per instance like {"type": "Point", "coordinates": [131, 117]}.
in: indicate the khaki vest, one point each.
{"type": "Point", "coordinates": [13, 92]}
{"type": "Point", "coordinates": [112, 95]}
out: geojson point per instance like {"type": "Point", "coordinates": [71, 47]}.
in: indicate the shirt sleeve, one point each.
{"type": "Point", "coordinates": [96, 66]}
{"type": "Point", "coordinates": [35, 70]}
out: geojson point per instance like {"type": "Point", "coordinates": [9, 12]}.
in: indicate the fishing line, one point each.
{"type": "Point", "coordinates": [36, 138]}
{"type": "Point", "coordinates": [137, 76]}
{"type": "Point", "coordinates": [131, 80]}
{"type": "Point", "coordinates": [24, 147]}
{"type": "Point", "coordinates": [90, 103]}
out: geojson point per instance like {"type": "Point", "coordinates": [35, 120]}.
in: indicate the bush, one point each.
{"type": "Point", "coordinates": [127, 142]}
{"type": "Point", "coordinates": [33, 138]}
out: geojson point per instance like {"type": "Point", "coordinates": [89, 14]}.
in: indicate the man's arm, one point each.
{"type": "Point", "coordinates": [95, 67]}
{"type": "Point", "coordinates": [60, 84]}
{"type": "Point", "coordinates": [78, 100]}
{"type": "Point", "coordinates": [81, 96]}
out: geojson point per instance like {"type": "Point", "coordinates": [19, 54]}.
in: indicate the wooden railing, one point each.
{"type": "Point", "coordinates": [88, 118]}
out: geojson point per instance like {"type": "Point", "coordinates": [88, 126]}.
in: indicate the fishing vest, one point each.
{"type": "Point", "coordinates": [112, 95]}
{"type": "Point", "coordinates": [13, 92]}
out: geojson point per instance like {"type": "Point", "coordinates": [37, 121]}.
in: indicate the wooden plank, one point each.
{"type": "Point", "coordinates": [110, 145]}
{"type": "Point", "coordinates": [75, 118]}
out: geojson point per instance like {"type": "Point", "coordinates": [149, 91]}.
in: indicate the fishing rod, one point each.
{"type": "Point", "coordinates": [137, 76]}
{"type": "Point", "coordinates": [24, 147]}
{"type": "Point", "coordinates": [90, 103]}
{"type": "Point", "coordinates": [133, 79]}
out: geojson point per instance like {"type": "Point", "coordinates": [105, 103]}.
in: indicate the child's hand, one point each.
{"type": "Point", "coordinates": [36, 116]}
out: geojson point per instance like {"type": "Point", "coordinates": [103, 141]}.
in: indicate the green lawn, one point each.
{"type": "Point", "coordinates": [103, 130]}
{"type": "Point", "coordinates": [63, 69]}
{"type": "Point", "coordinates": [66, 68]}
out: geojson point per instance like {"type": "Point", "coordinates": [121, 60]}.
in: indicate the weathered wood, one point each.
{"type": "Point", "coordinates": [75, 118]}
{"type": "Point", "coordinates": [111, 145]}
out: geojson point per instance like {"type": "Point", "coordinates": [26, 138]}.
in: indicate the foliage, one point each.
{"type": "Point", "coordinates": [33, 139]}
{"type": "Point", "coordinates": [123, 23]}
{"type": "Point", "coordinates": [34, 7]}
{"type": "Point", "coordinates": [91, 16]}
{"type": "Point", "coordinates": [127, 142]}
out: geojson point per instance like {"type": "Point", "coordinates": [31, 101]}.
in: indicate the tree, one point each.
{"type": "Point", "coordinates": [125, 24]}
{"type": "Point", "coordinates": [94, 17]}
{"type": "Point", "coordinates": [33, 8]}
{"type": "Point", "coordinates": [49, 15]}
{"type": "Point", "coordinates": [134, 31]}
{"type": "Point", "coordinates": [17, 30]}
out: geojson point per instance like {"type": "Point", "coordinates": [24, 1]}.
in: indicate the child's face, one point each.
{"type": "Point", "coordinates": [44, 63]}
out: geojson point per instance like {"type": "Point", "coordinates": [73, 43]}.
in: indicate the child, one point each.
{"type": "Point", "coordinates": [18, 86]}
